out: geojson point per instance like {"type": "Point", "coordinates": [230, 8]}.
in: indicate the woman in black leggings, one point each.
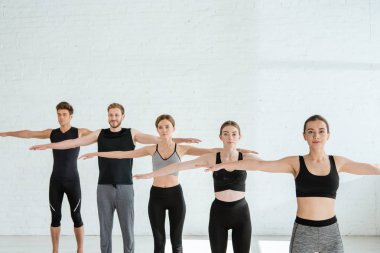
{"type": "Point", "coordinates": [166, 192]}
{"type": "Point", "coordinates": [229, 209]}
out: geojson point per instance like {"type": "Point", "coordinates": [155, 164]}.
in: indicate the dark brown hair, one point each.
{"type": "Point", "coordinates": [116, 105]}
{"type": "Point", "coordinates": [314, 118]}
{"type": "Point", "coordinates": [65, 106]}
{"type": "Point", "coordinates": [165, 116]}
{"type": "Point", "coordinates": [229, 123]}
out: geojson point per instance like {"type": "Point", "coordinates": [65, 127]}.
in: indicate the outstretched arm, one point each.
{"type": "Point", "coordinates": [195, 151]}
{"type": "Point", "coordinates": [142, 138]}
{"type": "Point", "coordinates": [82, 141]}
{"type": "Point", "coordinates": [119, 154]}
{"type": "Point", "coordinates": [191, 150]}
{"type": "Point", "coordinates": [205, 159]}
{"type": "Point", "coordinates": [346, 165]}
{"type": "Point", "coordinates": [45, 134]}
{"type": "Point", "coordinates": [284, 165]}
{"type": "Point", "coordinates": [186, 140]}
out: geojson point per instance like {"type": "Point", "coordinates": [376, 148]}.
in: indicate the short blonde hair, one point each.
{"type": "Point", "coordinates": [116, 105]}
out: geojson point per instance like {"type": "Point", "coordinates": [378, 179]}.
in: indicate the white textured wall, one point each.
{"type": "Point", "coordinates": [266, 64]}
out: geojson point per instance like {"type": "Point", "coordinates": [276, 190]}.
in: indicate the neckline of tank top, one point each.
{"type": "Point", "coordinates": [60, 130]}
{"type": "Point", "coordinates": [174, 152]}
{"type": "Point", "coordinates": [109, 132]}
{"type": "Point", "coordinates": [308, 171]}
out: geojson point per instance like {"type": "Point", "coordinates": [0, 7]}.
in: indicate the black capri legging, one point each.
{"type": "Point", "coordinates": [230, 215]}
{"type": "Point", "coordinates": [73, 192]}
{"type": "Point", "coordinates": [171, 199]}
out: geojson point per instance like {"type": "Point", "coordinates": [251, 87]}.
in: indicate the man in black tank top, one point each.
{"type": "Point", "coordinates": [115, 186]}
{"type": "Point", "coordinates": [64, 177]}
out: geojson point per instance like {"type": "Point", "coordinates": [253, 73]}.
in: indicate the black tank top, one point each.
{"type": "Point", "coordinates": [115, 171]}
{"type": "Point", "coordinates": [65, 160]}
{"type": "Point", "coordinates": [310, 185]}
{"type": "Point", "coordinates": [229, 180]}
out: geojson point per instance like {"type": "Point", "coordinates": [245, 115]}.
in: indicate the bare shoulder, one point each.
{"type": "Point", "coordinates": [289, 164]}
{"type": "Point", "coordinates": [292, 160]}
{"type": "Point", "coordinates": [93, 135]}
{"type": "Point", "coordinates": [134, 131]}
{"type": "Point", "coordinates": [151, 149]}
{"type": "Point", "coordinates": [182, 149]}
{"type": "Point", "coordinates": [340, 161]}
{"type": "Point", "coordinates": [47, 131]}
{"type": "Point", "coordinates": [83, 132]}
{"type": "Point", "coordinates": [96, 132]}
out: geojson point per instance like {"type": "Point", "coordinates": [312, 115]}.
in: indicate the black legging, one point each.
{"type": "Point", "coordinates": [171, 199]}
{"type": "Point", "coordinates": [230, 215]}
{"type": "Point", "coordinates": [73, 192]}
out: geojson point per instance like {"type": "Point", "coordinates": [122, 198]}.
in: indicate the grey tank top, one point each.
{"type": "Point", "coordinates": [159, 162]}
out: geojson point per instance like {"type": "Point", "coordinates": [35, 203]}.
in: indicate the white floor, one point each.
{"type": "Point", "coordinates": [198, 244]}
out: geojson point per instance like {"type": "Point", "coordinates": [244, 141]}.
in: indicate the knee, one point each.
{"type": "Point", "coordinates": [176, 239]}
{"type": "Point", "coordinates": [177, 247]}
{"type": "Point", "coordinates": [56, 219]}
{"type": "Point", "coordinates": [77, 219]}
{"type": "Point", "coordinates": [159, 245]}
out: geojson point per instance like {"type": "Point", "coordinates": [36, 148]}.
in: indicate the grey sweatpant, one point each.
{"type": "Point", "coordinates": [307, 239]}
{"type": "Point", "coordinates": [119, 197]}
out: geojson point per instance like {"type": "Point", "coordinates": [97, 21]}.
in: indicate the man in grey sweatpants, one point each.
{"type": "Point", "coordinates": [119, 197]}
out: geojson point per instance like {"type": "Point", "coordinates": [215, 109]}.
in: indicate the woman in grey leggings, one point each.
{"type": "Point", "coordinates": [316, 177]}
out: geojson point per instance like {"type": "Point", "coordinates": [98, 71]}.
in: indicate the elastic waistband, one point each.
{"type": "Point", "coordinates": [316, 223]}
{"type": "Point", "coordinates": [230, 204]}
{"type": "Point", "coordinates": [116, 185]}
{"type": "Point", "coordinates": [166, 189]}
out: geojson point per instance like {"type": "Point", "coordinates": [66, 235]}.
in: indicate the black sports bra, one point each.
{"type": "Point", "coordinates": [310, 185]}
{"type": "Point", "coordinates": [229, 180]}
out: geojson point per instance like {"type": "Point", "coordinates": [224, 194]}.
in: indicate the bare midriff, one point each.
{"type": "Point", "coordinates": [229, 195]}
{"type": "Point", "coordinates": [315, 208]}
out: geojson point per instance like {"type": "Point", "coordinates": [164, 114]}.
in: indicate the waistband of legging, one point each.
{"type": "Point", "coordinates": [230, 204]}
{"type": "Point", "coordinates": [166, 189]}
{"type": "Point", "coordinates": [316, 223]}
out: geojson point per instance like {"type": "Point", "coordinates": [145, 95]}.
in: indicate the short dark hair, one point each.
{"type": "Point", "coordinates": [314, 118]}
{"type": "Point", "coordinates": [65, 106]}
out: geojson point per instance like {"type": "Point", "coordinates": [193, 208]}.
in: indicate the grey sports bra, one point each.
{"type": "Point", "coordinates": [159, 162]}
